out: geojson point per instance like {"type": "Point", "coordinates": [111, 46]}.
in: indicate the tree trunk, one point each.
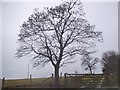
{"type": "Point", "coordinates": [56, 76]}
{"type": "Point", "coordinates": [90, 70]}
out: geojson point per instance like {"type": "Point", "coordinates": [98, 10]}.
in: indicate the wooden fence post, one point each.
{"type": "Point", "coordinates": [52, 75]}
{"type": "Point", "coordinates": [61, 74]}
{"type": "Point", "coordinates": [65, 79]}
{"type": "Point", "coordinates": [3, 82]}
{"type": "Point", "coordinates": [52, 79]}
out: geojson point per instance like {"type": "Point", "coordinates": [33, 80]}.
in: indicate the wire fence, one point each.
{"type": "Point", "coordinates": [66, 81]}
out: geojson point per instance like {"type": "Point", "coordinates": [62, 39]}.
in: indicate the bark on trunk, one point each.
{"type": "Point", "coordinates": [57, 76]}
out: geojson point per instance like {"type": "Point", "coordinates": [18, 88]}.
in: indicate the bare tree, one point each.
{"type": "Point", "coordinates": [56, 35]}
{"type": "Point", "coordinates": [89, 62]}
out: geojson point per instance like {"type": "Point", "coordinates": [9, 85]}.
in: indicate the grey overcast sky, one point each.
{"type": "Point", "coordinates": [102, 14]}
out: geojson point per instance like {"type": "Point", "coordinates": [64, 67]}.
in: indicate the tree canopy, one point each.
{"type": "Point", "coordinates": [56, 35]}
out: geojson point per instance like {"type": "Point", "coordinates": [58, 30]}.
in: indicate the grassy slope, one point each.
{"type": "Point", "coordinates": [18, 82]}
{"type": "Point", "coordinates": [71, 82]}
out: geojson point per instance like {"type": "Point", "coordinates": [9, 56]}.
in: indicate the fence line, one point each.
{"type": "Point", "coordinates": [67, 77]}
{"type": "Point", "coordinates": [29, 84]}
{"type": "Point", "coordinates": [47, 80]}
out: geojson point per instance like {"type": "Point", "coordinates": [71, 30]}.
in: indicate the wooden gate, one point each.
{"type": "Point", "coordinates": [82, 80]}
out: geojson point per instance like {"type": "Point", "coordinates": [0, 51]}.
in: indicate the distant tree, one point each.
{"type": "Point", "coordinates": [56, 35]}
{"type": "Point", "coordinates": [110, 63]}
{"type": "Point", "coordinates": [119, 70]}
{"type": "Point", "coordinates": [89, 62]}
{"type": "Point", "coordinates": [76, 72]}
{"type": "Point", "coordinates": [110, 67]}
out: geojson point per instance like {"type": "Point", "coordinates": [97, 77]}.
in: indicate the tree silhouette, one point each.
{"type": "Point", "coordinates": [89, 62]}
{"type": "Point", "coordinates": [110, 67]}
{"type": "Point", "coordinates": [110, 63]}
{"type": "Point", "coordinates": [119, 69]}
{"type": "Point", "coordinates": [56, 35]}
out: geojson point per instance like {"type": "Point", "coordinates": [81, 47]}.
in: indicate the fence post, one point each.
{"type": "Point", "coordinates": [30, 79]}
{"type": "Point", "coordinates": [52, 75]}
{"type": "Point", "coordinates": [61, 74]}
{"type": "Point", "coordinates": [30, 76]}
{"type": "Point", "coordinates": [52, 79]}
{"type": "Point", "coordinates": [65, 77]}
{"type": "Point", "coordinates": [3, 82]}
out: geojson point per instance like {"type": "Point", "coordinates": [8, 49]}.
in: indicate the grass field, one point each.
{"type": "Point", "coordinates": [72, 82]}
{"type": "Point", "coordinates": [24, 82]}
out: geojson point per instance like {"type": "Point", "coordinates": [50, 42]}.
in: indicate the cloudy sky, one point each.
{"type": "Point", "coordinates": [102, 14]}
